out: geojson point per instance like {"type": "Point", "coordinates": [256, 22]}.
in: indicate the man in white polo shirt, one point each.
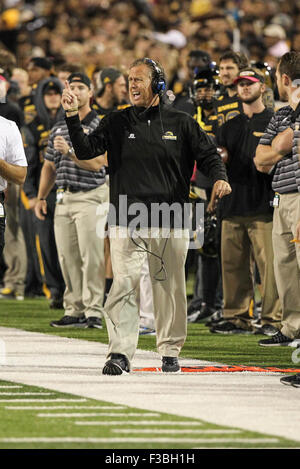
{"type": "Point", "coordinates": [13, 164]}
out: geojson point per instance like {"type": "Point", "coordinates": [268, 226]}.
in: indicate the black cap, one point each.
{"type": "Point", "coordinates": [42, 62]}
{"type": "Point", "coordinates": [81, 78]}
{"type": "Point", "coordinates": [109, 75]}
{"type": "Point", "coordinates": [51, 85]}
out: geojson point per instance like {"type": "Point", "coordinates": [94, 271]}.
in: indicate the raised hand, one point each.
{"type": "Point", "coordinates": [69, 100]}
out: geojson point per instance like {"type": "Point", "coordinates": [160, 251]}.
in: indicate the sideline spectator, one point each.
{"type": "Point", "coordinates": [81, 191]}
{"type": "Point", "coordinates": [36, 135]}
{"type": "Point", "coordinates": [276, 148]}
{"type": "Point", "coordinates": [247, 215]}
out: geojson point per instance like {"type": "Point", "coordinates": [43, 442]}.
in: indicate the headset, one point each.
{"type": "Point", "coordinates": [158, 83]}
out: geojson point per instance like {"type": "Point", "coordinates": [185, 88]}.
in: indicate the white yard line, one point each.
{"type": "Point", "coordinates": [26, 394]}
{"type": "Point", "coordinates": [10, 387]}
{"type": "Point", "coordinates": [99, 414]}
{"type": "Point", "coordinates": [169, 431]}
{"type": "Point", "coordinates": [67, 407]}
{"type": "Point", "coordinates": [43, 400]}
{"type": "Point", "coordinates": [113, 423]}
{"type": "Point", "coordinates": [250, 401]}
{"type": "Point", "coordinates": [137, 440]}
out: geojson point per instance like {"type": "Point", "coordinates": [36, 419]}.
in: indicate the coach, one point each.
{"type": "Point", "coordinates": [151, 152]}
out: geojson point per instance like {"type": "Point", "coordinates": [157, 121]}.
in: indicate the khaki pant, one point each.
{"type": "Point", "coordinates": [245, 238]}
{"type": "Point", "coordinates": [287, 262]}
{"type": "Point", "coordinates": [169, 295]}
{"type": "Point", "coordinates": [14, 252]}
{"type": "Point", "coordinates": [79, 223]}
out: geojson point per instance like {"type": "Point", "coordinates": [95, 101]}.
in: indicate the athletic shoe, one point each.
{"type": "Point", "coordinates": [204, 313]}
{"type": "Point", "coordinates": [19, 296]}
{"type": "Point", "coordinates": [267, 329]}
{"type": "Point", "coordinates": [94, 323]}
{"type": "Point", "coordinates": [293, 380]}
{"type": "Point", "coordinates": [276, 340]}
{"type": "Point", "coordinates": [228, 328]}
{"type": "Point", "coordinates": [216, 319]}
{"type": "Point", "coordinates": [116, 365]}
{"type": "Point", "coordinates": [170, 365]}
{"type": "Point", "coordinates": [7, 294]}
{"type": "Point", "coordinates": [146, 331]}
{"type": "Point", "coordinates": [70, 321]}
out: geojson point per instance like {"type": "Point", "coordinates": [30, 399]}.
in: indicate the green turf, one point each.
{"type": "Point", "coordinates": [35, 315]}
{"type": "Point", "coordinates": [27, 423]}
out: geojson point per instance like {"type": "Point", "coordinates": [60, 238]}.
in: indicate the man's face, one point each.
{"type": "Point", "coordinates": [119, 90]}
{"type": "Point", "coordinates": [36, 74]}
{"type": "Point", "coordinates": [204, 93]}
{"type": "Point", "coordinates": [82, 92]}
{"type": "Point", "coordinates": [249, 91]}
{"type": "Point", "coordinates": [228, 72]}
{"type": "Point", "coordinates": [280, 86]}
{"type": "Point", "coordinates": [140, 91]}
{"type": "Point", "coordinates": [52, 100]}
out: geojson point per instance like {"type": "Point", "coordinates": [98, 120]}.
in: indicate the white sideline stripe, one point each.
{"type": "Point", "coordinates": [43, 400]}
{"type": "Point", "coordinates": [61, 407]}
{"type": "Point", "coordinates": [112, 423]}
{"type": "Point", "coordinates": [136, 440]}
{"type": "Point", "coordinates": [27, 394]}
{"type": "Point", "coordinates": [100, 414]}
{"type": "Point", "coordinates": [174, 432]}
{"type": "Point", "coordinates": [10, 387]}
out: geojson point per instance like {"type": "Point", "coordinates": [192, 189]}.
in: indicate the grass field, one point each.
{"type": "Point", "coordinates": [34, 417]}
{"type": "Point", "coordinates": [35, 316]}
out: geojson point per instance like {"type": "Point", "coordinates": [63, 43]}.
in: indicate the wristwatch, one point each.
{"type": "Point", "coordinates": [70, 152]}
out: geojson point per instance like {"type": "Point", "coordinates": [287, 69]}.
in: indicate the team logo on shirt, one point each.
{"type": "Point", "coordinates": [169, 136]}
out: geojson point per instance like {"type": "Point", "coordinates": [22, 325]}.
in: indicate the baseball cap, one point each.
{"type": "Point", "coordinates": [51, 85]}
{"type": "Point", "coordinates": [109, 75]}
{"type": "Point", "coordinates": [250, 75]}
{"type": "Point", "coordinates": [79, 77]}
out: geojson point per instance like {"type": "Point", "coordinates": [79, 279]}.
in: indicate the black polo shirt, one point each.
{"type": "Point", "coordinates": [251, 190]}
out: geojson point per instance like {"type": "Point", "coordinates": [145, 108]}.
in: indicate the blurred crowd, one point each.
{"type": "Point", "coordinates": [103, 33]}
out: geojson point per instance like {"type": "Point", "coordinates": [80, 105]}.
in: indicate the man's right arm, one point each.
{"type": "Point", "coordinates": [47, 181]}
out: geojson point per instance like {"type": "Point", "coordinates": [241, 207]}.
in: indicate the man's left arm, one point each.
{"type": "Point", "coordinates": [209, 162]}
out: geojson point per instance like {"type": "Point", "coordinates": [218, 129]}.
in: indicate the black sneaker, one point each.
{"type": "Point", "coordinates": [205, 313]}
{"type": "Point", "coordinates": [228, 328]}
{"type": "Point", "coordinates": [94, 322]}
{"type": "Point", "coordinates": [276, 340]}
{"type": "Point", "coordinates": [267, 329]}
{"type": "Point", "coordinates": [70, 321]}
{"type": "Point", "coordinates": [293, 380]}
{"type": "Point", "coordinates": [116, 365]}
{"type": "Point", "coordinates": [215, 319]}
{"type": "Point", "coordinates": [170, 365]}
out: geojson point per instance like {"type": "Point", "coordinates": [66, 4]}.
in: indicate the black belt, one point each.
{"type": "Point", "coordinates": [76, 189]}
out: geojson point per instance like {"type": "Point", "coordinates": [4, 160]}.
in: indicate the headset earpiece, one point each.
{"type": "Point", "coordinates": [158, 83]}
